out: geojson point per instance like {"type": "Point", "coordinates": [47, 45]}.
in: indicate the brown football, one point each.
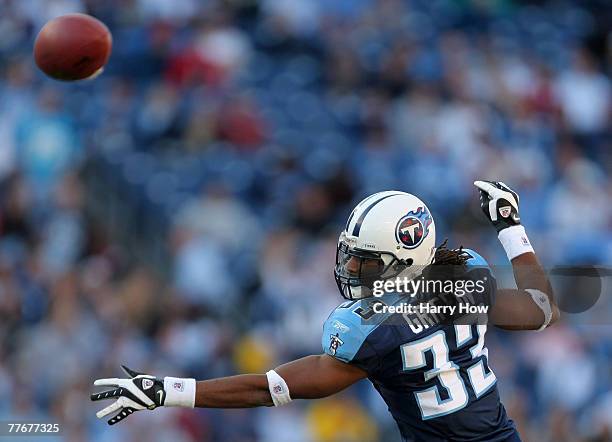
{"type": "Point", "coordinates": [73, 47]}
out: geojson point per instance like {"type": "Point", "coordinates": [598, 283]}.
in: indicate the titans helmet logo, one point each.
{"type": "Point", "coordinates": [413, 228]}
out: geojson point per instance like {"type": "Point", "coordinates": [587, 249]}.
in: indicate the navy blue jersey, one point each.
{"type": "Point", "coordinates": [432, 373]}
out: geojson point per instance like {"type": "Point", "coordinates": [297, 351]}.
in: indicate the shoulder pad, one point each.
{"type": "Point", "coordinates": [476, 260]}
{"type": "Point", "coordinates": [346, 329]}
{"type": "Point", "coordinates": [478, 268]}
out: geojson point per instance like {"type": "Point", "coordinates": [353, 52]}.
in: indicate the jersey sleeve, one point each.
{"type": "Point", "coordinates": [346, 338]}
{"type": "Point", "coordinates": [479, 271]}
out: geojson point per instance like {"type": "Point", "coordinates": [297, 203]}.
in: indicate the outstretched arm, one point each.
{"type": "Point", "coordinates": [307, 378]}
{"type": "Point", "coordinates": [532, 305]}
{"type": "Point", "coordinates": [311, 377]}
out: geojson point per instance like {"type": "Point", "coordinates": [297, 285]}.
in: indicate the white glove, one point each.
{"type": "Point", "coordinates": [139, 392]}
{"type": "Point", "coordinates": [499, 203]}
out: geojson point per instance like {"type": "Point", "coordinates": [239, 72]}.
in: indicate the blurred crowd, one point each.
{"type": "Point", "coordinates": [180, 213]}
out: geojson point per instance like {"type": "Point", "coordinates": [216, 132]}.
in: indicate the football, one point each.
{"type": "Point", "coordinates": [73, 47]}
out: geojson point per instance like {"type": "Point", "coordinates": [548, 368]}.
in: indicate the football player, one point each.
{"type": "Point", "coordinates": [432, 373]}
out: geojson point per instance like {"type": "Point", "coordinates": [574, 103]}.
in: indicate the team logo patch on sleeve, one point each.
{"type": "Point", "coordinates": [334, 343]}
{"type": "Point", "coordinates": [412, 229]}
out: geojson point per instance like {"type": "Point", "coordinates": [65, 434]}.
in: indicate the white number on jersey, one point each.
{"type": "Point", "coordinates": [447, 372]}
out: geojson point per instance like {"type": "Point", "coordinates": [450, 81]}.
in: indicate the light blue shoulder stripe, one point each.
{"type": "Point", "coordinates": [346, 330]}
{"type": "Point", "coordinates": [476, 260]}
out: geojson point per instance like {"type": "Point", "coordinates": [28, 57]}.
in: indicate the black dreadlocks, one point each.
{"type": "Point", "coordinates": [447, 263]}
{"type": "Point", "coordinates": [446, 256]}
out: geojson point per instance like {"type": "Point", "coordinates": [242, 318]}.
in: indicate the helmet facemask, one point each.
{"type": "Point", "coordinates": [357, 270]}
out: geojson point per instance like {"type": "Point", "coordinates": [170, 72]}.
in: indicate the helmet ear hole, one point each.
{"type": "Point", "coordinates": [408, 261]}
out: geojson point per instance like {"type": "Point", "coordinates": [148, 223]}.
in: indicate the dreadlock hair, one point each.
{"type": "Point", "coordinates": [447, 263]}
{"type": "Point", "coordinates": [446, 256]}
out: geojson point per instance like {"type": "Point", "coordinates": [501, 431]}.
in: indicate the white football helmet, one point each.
{"type": "Point", "coordinates": [388, 234]}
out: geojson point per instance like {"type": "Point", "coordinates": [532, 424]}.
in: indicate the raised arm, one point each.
{"type": "Point", "coordinates": [517, 309]}
{"type": "Point", "coordinates": [531, 306]}
{"type": "Point", "coordinates": [306, 378]}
